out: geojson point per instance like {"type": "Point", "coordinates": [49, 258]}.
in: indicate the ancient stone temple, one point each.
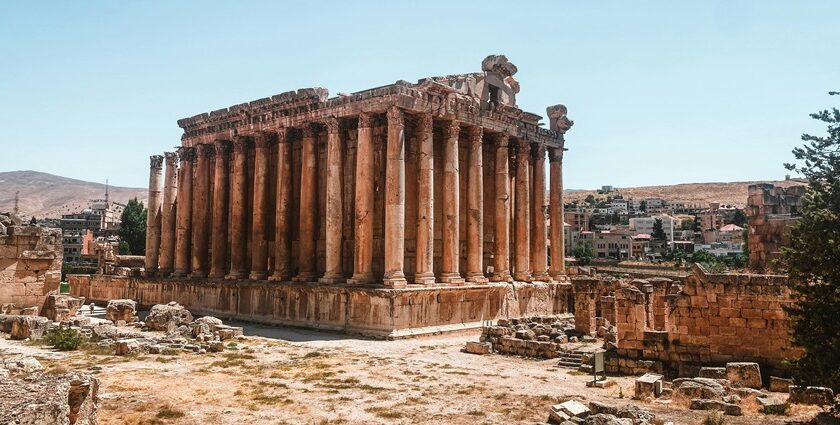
{"type": "Point", "coordinates": [441, 183]}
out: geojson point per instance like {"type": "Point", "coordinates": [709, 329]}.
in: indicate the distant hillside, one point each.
{"type": "Point", "coordinates": [726, 193]}
{"type": "Point", "coordinates": [45, 195]}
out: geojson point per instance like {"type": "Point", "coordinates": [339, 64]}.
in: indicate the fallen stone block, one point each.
{"type": "Point", "coordinates": [605, 419]}
{"type": "Point", "coordinates": [699, 388]}
{"type": "Point", "coordinates": [557, 416]}
{"type": "Point", "coordinates": [712, 372]}
{"type": "Point", "coordinates": [772, 405]}
{"type": "Point", "coordinates": [31, 327]}
{"type": "Point", "coordinates": [125, 310]}
{"type": "Point", "coordinates": [215, 346]}
{"type": "Point", "coordinates": [162, 317]}
{"type": "Point", "coordinates": [779, 385]}
{"type": "Point", "coordinates": [744, 374]}
{"type": "Point", "coordinates": [126, 346]}
{"type": "Point", "coordinates": [648, 385]}
{"type": "Point", "coordinates": [103, 331]}
{"type": "Point", "coordinates": [478, 347]}
{"type": "Point", "coordinates": [21, 364]}
{"type": "Point", "coordinates": [726, 408]}
{"type": "Point", "coordinates": [525, 334]}
{"type": "Point", "coordinates": [226, 332]}
{"type": "Point", "coordinates": [820, 396]}
{"type": "Point", "coordinates": [573, 408]}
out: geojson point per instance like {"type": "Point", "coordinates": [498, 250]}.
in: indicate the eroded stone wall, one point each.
{"type": "Point", "coordinates": [771, 211]}
{"type": "Point", "coordinates": [30, 264]}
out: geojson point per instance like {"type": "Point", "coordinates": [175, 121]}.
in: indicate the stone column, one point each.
{"type": "Point", "coordinates": [363, 242]}
{"type": "Point", "coordinates": [475, 209]}
{"type": "Point", "coordinates": [238, 205]}
{"type": "Point", "coordinates": [283, 210]}
{"type": "Point", "coordinates": [451, 208]}
{"type": "Point", "coordinates": [558, 243]}
{"type": "Point", "coordinates": [334, 208]}
{"type": "Point", "coordinates": [221, 196]}
{"type": "Point", "coordinates": [395, 200]}
{"type": "Point", "coordinates": [522, 268]}
{"type": "Point", "coordinates": [168, 219]}
{"type": "Point", "coordinates": [153, 219]}
{"type": "Point", "coordinates": [425, 202]}
{"type": "Point", "coordinates": [501, 254]}
{"type": "Point", "coordinates": [308, 207]}
{"type": "Point", "coordinates": [184, 207]}
{"type": "Point", "coordinates": [259, 235]}
{"type": "Point", "coordinates": [201, 211]}
{"type": "Point", "coordinates": [539, 235]}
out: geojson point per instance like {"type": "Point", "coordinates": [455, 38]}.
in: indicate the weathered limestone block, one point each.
{"type": "Point", "coordinates": [226, 332]}
{"type": "Point", "coordinates": [726, 408]}
{"type": "Point", "coordinates": [21, 364]}
{"type": "Point", "coordinates": [771, 405]}
{"type": "Point", "coordinates": [206, 325]}
{"type": "Point", "coordinates": [702, 388]}
{"type": "Point", "coordinates": [61, 307]}
{"type": "Point", "coordinates": [779, 385]}
{"type": "Point", "coordinates": [69, 399]}
{"type": "Point", "coordinates": [103, 331]}
{"type": "Point", "coordinates": [161, 315]}
{"type": "Point", "coordinates": [811, 395]}
{"type": "Point", "coordinates": [125, 310]}
{"type": "Point", "coordinates": [712, 372]}
{"type": "Point", "coordinates": [126, 346]}
{"type": "Point", "coordinates": [605, 419]}
{"type": "Point", "coordinates": [744, 374]}
{"type": "Point", "coordinates": [32, 327]}
{"type": "Point", "coordinates": [648, 385]}
{"type": "Point", "coordinates": [478, 347]}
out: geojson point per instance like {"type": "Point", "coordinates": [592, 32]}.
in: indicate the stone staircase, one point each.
{"type": "Point", "coordinates": [572, 359]}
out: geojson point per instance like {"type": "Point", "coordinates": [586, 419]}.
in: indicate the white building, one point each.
{"type": "Point", "coordinates": [618, 206]}
{"type": "Point", "coordinates": [645, 225]}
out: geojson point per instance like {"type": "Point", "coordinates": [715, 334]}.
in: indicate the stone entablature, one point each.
{"type": "Point", "coordinates": [421, 183]}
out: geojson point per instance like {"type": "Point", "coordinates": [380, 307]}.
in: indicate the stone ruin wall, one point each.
{"type": "Point", "coordinates": [30, 265]}
{"type": "Point", "coordinates": [673, 327]}
{"type": "Point", "coordinates": [771, 211]}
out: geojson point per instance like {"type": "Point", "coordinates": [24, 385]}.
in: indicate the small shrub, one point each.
{"type": "Point", "coordinates": [65, 339]}
{"type": "Point", "coordinates": [778, 409]}
{"type": "Point", "coordinates": [714, 418]}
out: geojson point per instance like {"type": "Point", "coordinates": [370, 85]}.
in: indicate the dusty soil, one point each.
{"type": "Point", "coordinates": [282, 376]}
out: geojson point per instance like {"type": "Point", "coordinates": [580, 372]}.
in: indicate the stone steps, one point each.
{"type": "Point", "coordinates": [571, 359]}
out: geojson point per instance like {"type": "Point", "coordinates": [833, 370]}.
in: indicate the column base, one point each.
{"type": "Point", "coordinates": [503, 276]}
{"type": "Point", "coordinates": [451, 278]}
{"type": "Point", "coordinates": [476, 278]}
{"type": "Point", "coordinates": [361, 279]}
{"type": "Point", "coordinates": [394, 280]}
{"type": "Point", "coordinates": [305, 277]}
{"type": "Point", "coordinates": [164, 273]}
{"type": "Point", "coordinates": [179, 274]}
{"type": "Point", "coordinates": [149, 273]}
{"type": "Point", "coordinates": [560, 277]}
{"type": "Point", "coordinates": [216, 274]}
{"type": "Point", "coordinates": [522, 276]}
{"type": "Point", "coordinates": [198, 275]}
{"type": "Point", "coordinates": [541, 276]}
{"type": "Point", "coordinates": [280, 278]}
{"type": "Point", "coordinates": [424, 279]}
{"type": "Point", "coordinates": [258, 275]}
{"type": "Point", "coordinates": [237, 275]}
{"type": "Point", "coordinates": [332, 280]}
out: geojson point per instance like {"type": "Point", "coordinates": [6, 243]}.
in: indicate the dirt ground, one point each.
{"type": "Point", "coordinates": [286, 376]}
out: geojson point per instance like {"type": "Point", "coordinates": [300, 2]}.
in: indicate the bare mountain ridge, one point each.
{"type": "Point", "coordinates": [45, 195]}
{"type": "Point", "coordinates": [734, 193]}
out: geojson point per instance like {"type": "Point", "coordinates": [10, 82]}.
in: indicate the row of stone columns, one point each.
{"type": "Point", "coordinates": [181, 238]}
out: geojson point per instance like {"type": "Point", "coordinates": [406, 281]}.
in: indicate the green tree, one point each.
{"type": "Point", "coordinates": [658, 232]}
{"type": "Point", "coordinates": [739, 218]}
{"type": "Point", "coordinates": [133, 229]}
{"type": "Point", "coordinates": [583, 254]}
{"type": "Point", "coordinates": [590, 199]}
{"type": "Point", "coordinates": [813, 256]}
{"type": "Point", "coordinates": [643, 206]}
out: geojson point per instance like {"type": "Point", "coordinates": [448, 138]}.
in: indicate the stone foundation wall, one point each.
{"type": "Point", "coordinates": [710, 319]}
{"type": "Point", "coordinates": [30, 264]}
{"type": "Point", "coordinates": [378, 312]}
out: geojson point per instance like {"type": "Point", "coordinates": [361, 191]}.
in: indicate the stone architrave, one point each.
{"type": "Point", "coordinates": [475, 208]}
{"type": "Point", "coordinates": [283, 210]}
{"type": "Point", "coordinates": [184, 207]}
{"type": "Point", "coordinates": [363, 235]}
{"type": "Point", "coordinates": [168, 215]}
{"type": "Point", "coordinates": [259, 233]}
{"type": "Point", "coordinates": [424, 274]}
{"type": "Point", "coordinates": [238, 205]}
{"type": "Point", "coordinates": [308, 208]}
{"type": "Point", "coordinates": [539, 233]}
{"type": "Point", "coordinates": [451, 208]}
{"type": "Point", "coordinates": [395, 200]}
{"type": "Point", "coordinates": [334, 207]}
{"type": "Point", "coordinates": [522, 222]}
{"type": "Point", "coordinates": [501, 251]}
{"type": "Point", "coordinates": [153, 220]}
{"type": "Point", "coordinates": [221, 196]}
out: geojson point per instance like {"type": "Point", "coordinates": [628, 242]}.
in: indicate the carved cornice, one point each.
{"type": "Point", "coordinates": [425, 124]}
{"type": "Point", "coordinates": [395, 117]}
{"type": "Point", "coordinates": [156, 162]}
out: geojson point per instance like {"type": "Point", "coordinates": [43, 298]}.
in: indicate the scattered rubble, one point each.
{"type": "Point", "coordinates": [49, 399]}
{"type": "Point", "coordinates": [540, 337]}
{"type": "Point", "coordinates": [165, 317]}
{"type": "Point", "coordinates": [26, 327]}
{"type": "Point", "coordinates": [820, 396]}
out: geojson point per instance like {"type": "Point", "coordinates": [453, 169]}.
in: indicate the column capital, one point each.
{"type": "Point", "coordinates": [501, 140]}
{"type": "Point", "coordinates": [555, 154]}
{"type": "Point", "coordinates": [204, 150]}
{"type": "Point", "coordinates": [475, 133]}
{"type": "Point", "coordinates": [333, 125]}
{"type": "Point", "coordinates": [261, 140]}
{"type": "Point", "coordinates": [523, 145]}
{"type": "Point", "coordinates": [425, 123]}
{"type": "Point", "coordinates": [538, 151]}
{"type": "Point", "coordinates": [171, 158]}
{"type": "Point", "coordinates": [453, 128]}
{"type": "Point", "coordinates": [223, 147]}
{"type": "Point", "coordinates": [395, 116]}
{"type": "Point", "coordinates": [186, 154]}
{"type": "Point", "coordinates": [308, 131]}
{"type": "Point", "coordinates": [156, 162]}
{"type": "Point", "coordinates": [365, 120]}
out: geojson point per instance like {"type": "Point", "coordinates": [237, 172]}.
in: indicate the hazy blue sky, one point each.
{"type": "Point", "coordinates": [661, 92]}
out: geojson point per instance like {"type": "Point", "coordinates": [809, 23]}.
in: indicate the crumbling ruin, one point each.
{"type": "Point", "coordinates": [30, 263]}
{"type": "Point", "coordinates": [770, 213]}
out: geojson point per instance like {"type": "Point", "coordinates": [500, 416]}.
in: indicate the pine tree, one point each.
{"type": "Point", "coordinates": [658, 232]}
{"type": "Point", "coordinates": [133, 229]}
{"type": "Point", "coordinates": [813, 258]}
